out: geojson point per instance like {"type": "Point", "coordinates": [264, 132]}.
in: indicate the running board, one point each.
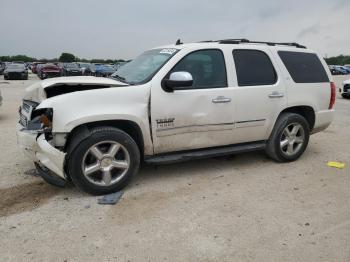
{"type": "Point", "coordinates": [204, 153]}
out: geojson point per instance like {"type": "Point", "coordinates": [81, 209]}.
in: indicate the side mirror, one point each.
{"type": "Point", "coordinates": [177, 81]}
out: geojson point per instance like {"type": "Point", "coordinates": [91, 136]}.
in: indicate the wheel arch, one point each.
{"type": "Point", "coordinates": [306, 111]}
{"type": "Point", "coordinates": [128, 126]}
{"type": "Point", "coordinates": [83, 131]}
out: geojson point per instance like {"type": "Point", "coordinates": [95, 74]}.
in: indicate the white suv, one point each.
{"type": "Point", "coordinates": [176, 103]}
{"type": "Point", "coordinates": [345, 90]}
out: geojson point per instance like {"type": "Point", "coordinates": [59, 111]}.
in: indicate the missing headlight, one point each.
{"type": "Point", "coordinates": [41, 121]}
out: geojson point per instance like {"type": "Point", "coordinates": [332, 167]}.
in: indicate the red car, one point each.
{"type": "Point", "coordinates": [35, 64]}
{"type": "Point", "coordinates": [49, 70]}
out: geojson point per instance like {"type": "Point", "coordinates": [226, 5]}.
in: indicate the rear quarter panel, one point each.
{"type": "Point", "coordinates": [316, 95]}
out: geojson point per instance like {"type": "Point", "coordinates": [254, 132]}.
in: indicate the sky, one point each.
{"type": "Point", "coordinates": [123, 29]}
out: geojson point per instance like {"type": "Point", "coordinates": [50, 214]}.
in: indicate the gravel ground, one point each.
{"type": "Point", "coordinates": [239, 208]}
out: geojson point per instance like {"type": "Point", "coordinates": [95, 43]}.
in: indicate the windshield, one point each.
{"type": "Point", "coordinates": [71, 66]}
{"type": "Point", "coordinates": [143, 68]}
{"type": "Point", "coordinates": [15, 66]}
{"type": "Point", "coordinates": [84, 65]}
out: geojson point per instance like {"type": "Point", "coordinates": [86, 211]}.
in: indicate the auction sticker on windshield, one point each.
{"type": "Point", "coordinates": [169, 51]}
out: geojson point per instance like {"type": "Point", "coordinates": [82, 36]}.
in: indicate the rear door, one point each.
{"type": "Point", "coordinates": [260, 93]}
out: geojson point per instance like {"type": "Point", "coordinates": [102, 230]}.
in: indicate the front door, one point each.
{"type": "Point", "coordinates": [200, 116]}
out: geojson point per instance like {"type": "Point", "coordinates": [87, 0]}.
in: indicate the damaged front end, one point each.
{"type": "Point", "coordinates": [34, 135]}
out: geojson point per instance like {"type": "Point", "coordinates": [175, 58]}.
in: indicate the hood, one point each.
{"type": "Point", "coordinates": [14, 70]}
{"type": "Point", "coordinates": [50, 68]}
{"type": "Point", "coordinates": [42, 90]}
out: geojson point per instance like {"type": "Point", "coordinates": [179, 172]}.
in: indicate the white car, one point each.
{"type": "Point", "coordinates": [345, 89]}
{"type": "Point", "coordinates": [176, 103]}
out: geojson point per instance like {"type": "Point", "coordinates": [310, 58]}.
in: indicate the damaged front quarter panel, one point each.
{"type": "Point", "coordinates": [103, 104]}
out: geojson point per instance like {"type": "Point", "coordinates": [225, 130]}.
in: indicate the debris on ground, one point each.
{"type": "Point", "coordinates": [31, 172]}
{"type": "Point", "coordinates": [110, 199]}
{"type": "Point", "coordinates": [339, 165]}
{"type": "Point", "coordinates": [218, 177]}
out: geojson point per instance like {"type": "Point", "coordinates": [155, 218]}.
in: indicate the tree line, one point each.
{"type": "Point", "coordinates": [64, 57]}
{"type": "Point", "coordinates": [338, 60]}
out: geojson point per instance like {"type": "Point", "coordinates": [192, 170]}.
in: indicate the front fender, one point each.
{"type": "Point", "coordinates": [114, 103]}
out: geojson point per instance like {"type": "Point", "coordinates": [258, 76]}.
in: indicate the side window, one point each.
{"type": "Point", "coordinates": [207, 68]}
{"type": "Point", "coordinates": [254, 68]}
{"type": "Point", "coordinates": [304, 67]}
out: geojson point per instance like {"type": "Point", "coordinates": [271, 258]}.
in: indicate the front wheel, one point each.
{"type": "Point", "coordinates": [289, 138]}
{"type": "Point", "coordinates": [345, 95]}
{"type": "Point", "coordinates": [104, 162]}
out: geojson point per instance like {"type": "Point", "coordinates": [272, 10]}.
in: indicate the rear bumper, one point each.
{"type": "Point", "coordinates": [46, 74]}
{"type": "Point", "coordinates": [41, 151]}
{"type": "Point", "coordinates": [323, 119]}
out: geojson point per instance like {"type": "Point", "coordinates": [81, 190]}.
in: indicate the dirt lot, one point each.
{"type": "Point", "coordinates": [241, 208]}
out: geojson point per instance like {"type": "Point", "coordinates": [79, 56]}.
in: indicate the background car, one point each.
{"type": "Point", "coordinates": [71, 69]}
{"type": "Point", "coordinates": [35, 65]}
{"type": "Point", "coordinates": [2, 68]}
{"type": "Point", "coordinates": [49, 70]}
{"type": "Point", "coordinates": [347, 69]}
{"type": "Point", "coordinates": [38, 68]}
{"type": "Point", "coordinates": [104, 70]}
{"type": "Point", "coordinates": [345, 90]}
{"type": "Point", "coordinates": [87, 69]}
{"type": "Point", "coordinates": [16, 71]}
{"type": "Point", "coordinates": [119, 64]}
{"type": "Point", "coordinates": [337, 70]}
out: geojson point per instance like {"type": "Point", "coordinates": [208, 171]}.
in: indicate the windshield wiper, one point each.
{"type": "Point", "coordinates": [120, 78]}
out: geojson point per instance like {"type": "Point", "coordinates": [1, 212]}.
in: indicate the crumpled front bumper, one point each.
{"type": "Point", "coordinates": [41, 151]}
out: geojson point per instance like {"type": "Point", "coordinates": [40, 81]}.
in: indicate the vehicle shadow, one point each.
{"type": "Point", "coordinates": [190, 168]}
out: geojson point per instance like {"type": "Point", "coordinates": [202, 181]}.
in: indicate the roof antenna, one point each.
{"type": "Point", "coordinates": [178, 42]}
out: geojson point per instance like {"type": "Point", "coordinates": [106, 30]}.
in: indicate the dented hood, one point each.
{"type": "Point", "coordinates": [41, 90]}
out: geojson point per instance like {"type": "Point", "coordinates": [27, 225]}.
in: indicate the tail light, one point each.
{"type": "Point", "coordinates": [332, 99]}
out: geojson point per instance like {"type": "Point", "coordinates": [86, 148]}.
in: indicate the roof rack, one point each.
{"type": "Point", "coordinates": [244, 41]}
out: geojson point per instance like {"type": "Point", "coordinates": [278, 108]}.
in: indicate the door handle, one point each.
{"type": "Point", "coordinates": [221, 99]}
{"type": "Point", "coordinates": [276, 94]}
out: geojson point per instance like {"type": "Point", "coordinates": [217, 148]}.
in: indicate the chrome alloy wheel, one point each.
{"type": "Point", "coordinates": [106, 163]}
{"type": "Point", "coordinates": [292, 139]}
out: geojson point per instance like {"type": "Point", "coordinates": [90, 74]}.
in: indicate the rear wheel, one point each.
{"type": "Point", "coordinates": [104, 162]}
{"type": "Point", "coordinates": [289, 138]}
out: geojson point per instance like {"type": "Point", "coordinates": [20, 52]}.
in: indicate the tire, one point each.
{"type": "Point", "coordinates": [345, 96]}
{"type": "Point", "coordinates": [294, 144]}
{"type": "Point", "coordinates": [101, 176]}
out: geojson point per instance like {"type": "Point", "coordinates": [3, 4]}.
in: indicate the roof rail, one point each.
{"type": "Point", "coordinates": [229, 41]}
{"type": "Point", "coordinates": [243, 40]}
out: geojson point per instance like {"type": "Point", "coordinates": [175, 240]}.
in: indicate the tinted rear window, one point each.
{"type": "Point", "coordinates": [304, 67]}
{"type": "Point", "coordinates": [253, 68]}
